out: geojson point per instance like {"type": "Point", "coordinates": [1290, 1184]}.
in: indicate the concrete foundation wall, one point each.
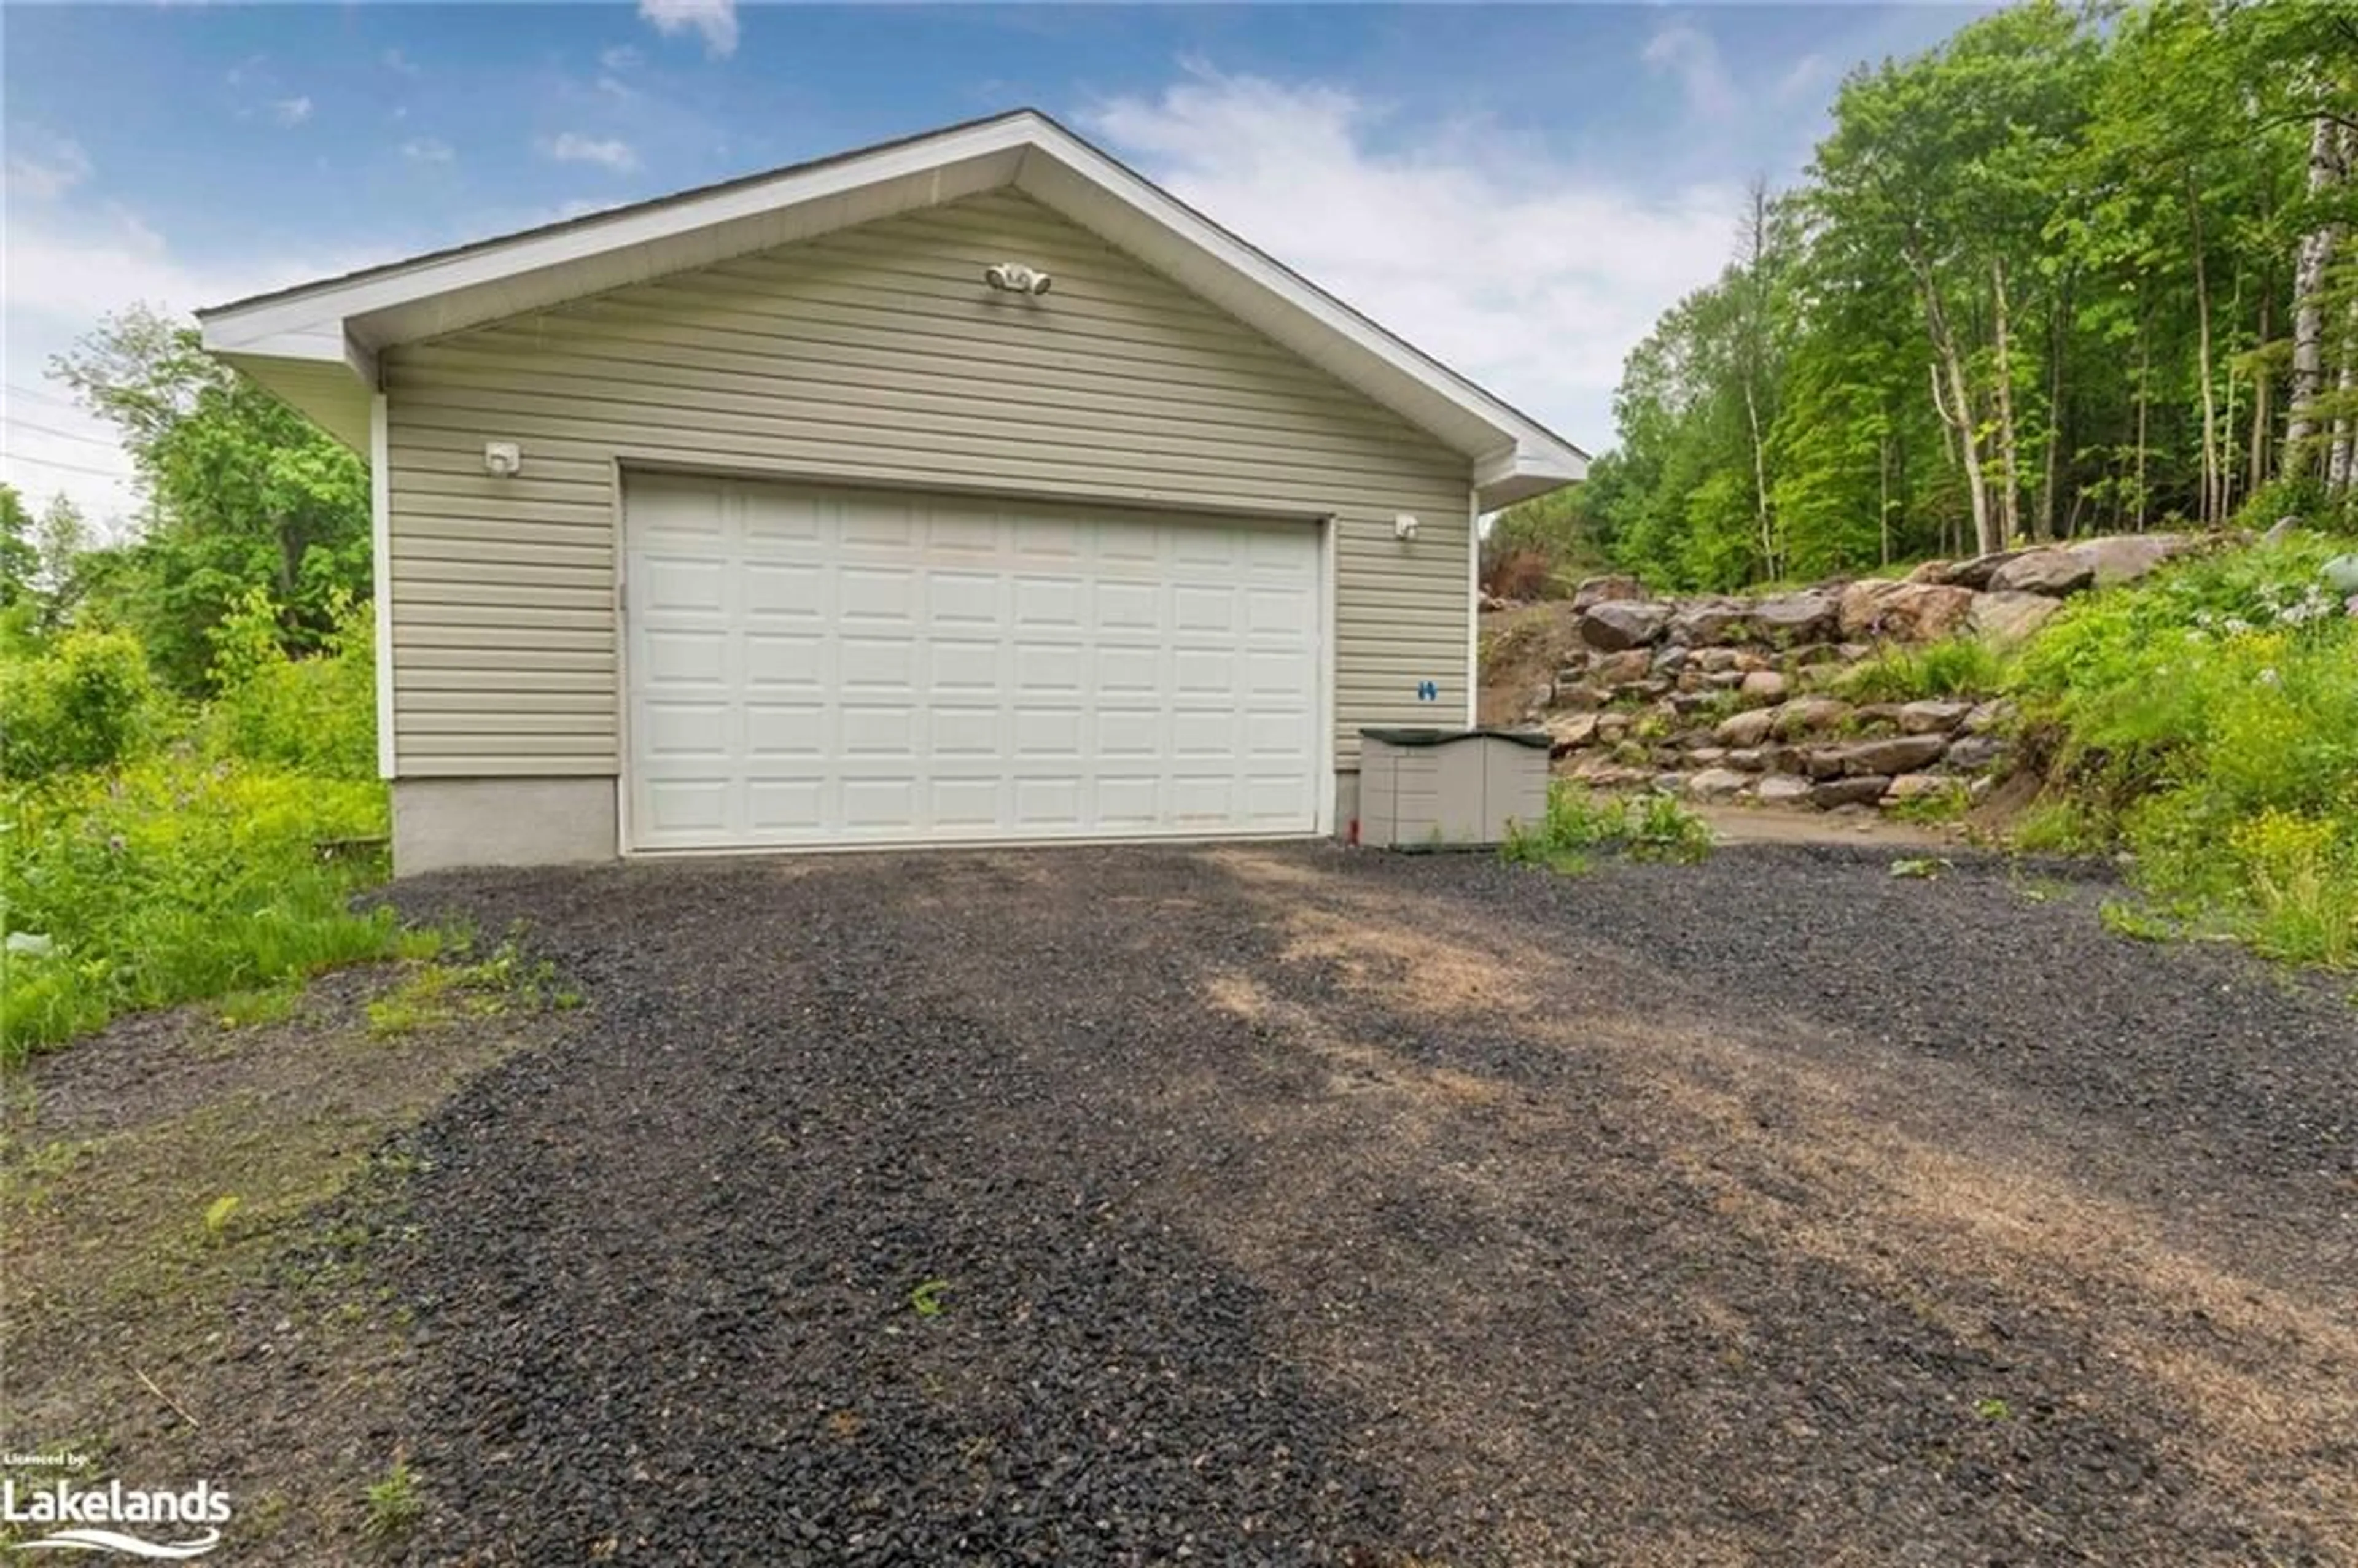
{"type": "Point", "coordinates": [441, 823]}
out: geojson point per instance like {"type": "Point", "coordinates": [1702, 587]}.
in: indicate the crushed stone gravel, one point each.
{"type": "Point", "coordinates": [1286, 1204]}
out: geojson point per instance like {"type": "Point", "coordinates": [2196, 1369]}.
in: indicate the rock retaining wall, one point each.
{"type": "Point", "coordinates": [1722, 697]}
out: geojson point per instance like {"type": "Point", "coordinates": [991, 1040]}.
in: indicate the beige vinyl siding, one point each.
{"type": "Point", "coordinates": [875, 354]}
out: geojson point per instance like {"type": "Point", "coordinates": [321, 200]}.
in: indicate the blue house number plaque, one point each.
{"type": "Point", "coordinates": [1428, 691]}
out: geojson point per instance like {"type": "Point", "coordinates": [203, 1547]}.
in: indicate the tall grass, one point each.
{"type": "Point", "coordinates": [136, 873]}
{"type": "Point", "coordinates": [1645, 827]}
{"type": "Point", "coordinates": [176, 878]}
{"type": "Point", "coordinates": [1953, 666]}
{"type": "Point", "coordinates": [2207, 720]}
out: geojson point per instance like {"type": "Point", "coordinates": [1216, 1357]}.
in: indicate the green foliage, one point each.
{"type": "Point", "coordinates": [176, 878]}
{"type": "Point", "coordinates": [2208, 721]}
{"type": "Point", "coordinates": [1645, 827]}
{"type": "Point", "coordinates": [2030, 286]}
{"type": "Point", "coordinates": [86, 703]}
{"type": "Point", "coordinates": [314, 714]}
{"type": "Point", "coordinates": [217, 1216]}
{"type": "Point", "coordinates": [395, 1504]}
{"type": "Point", "coordinates": [244, 493]}
{"type": "Point", "coordinates": [1953, 666]}
{"type": "Point", "coordinates": [437, 994]}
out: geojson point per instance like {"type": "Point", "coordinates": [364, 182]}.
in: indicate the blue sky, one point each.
{"type": "Point", "coordinates": [1519, 189]}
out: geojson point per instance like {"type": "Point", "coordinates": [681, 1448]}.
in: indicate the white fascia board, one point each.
{"type": "Point", "coordinates": [1515, 473]}
{"type": "Point", "coordinates": [303, 312]}
{"type": "Point", "coordinates": [345, 322]}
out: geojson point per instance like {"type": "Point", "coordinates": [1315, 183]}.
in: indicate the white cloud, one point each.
{"type": "Point", "coordinates": [1809, 78]}
{"type": "Point", "coordinates": [611, 154]}
{"type": "Point", "coordinates": [43, 168]}
{"type": "Point", "coordinates": [399, 63]}
{"type": "Point", "coordinates": [1531, 276]}
{"type": "Point", "coordinates": [426, 149]}
{"type": "Point", "coordinates": [621, 56]}
{"type": "Point", "coordinates": [66, 270]}
{"type": "Point", "coordinates": [291, 110]}
{"type": "Point", "coordinates": [1689, 54]}
{"type": "Point", "coordinates": [716, 19]}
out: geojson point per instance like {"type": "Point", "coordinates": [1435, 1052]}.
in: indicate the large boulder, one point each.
{"type": "Point", "coordinates": [1790, 618]}
{"type": "Point", "coordinates": [2056, 573]}
{"type": "Point", "coordinates": [1976, 574]}
{"type": "Point", "coordinates": [2124, 558]}
{"type": "Point", "coordinates": [1715, 661]}
{"type": "Point", "coordinates": [1848, 792]}
{"type": "Point", "coordinates": [2008, 617]}
{"type": "Point", "coordinates": [1933, 715]}
{"type": "Point", "coordinates": [1569, 732]}
{"type": "Point", "coordinates": [1909, 612]}
{"type": "Point", "coordinates": [1782, 789]}
{"type": "Point", "coordinates": [1808, 715]}
{"type": "Point", "coordinates": [1972, 753]}
{"type": "Point", "coordinates": [1717, 784]}
{"type": "Point", "coordinates": [1623, 668]}
{"type": "Point", "coordinates": [1744, 729]}
{"type": "Point", "coordinates": [1618, 624]}
{"type": "Point", "coordinates": [1595, 590]}
{"type": "Point", "coordinates": [1892, 754]}
{"type": "Point", "coordinates": [1699, 622]}
{"type": "Point", "coordinates": [1917, 786]}
{"type": "Point", "coordinates": [1763, 686]}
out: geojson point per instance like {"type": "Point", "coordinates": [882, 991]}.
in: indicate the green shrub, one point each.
{"type": "Point", "coordinates": [2208, 721]}
{"type": "Point", "coordinates": [173, 880]}
{"type": "Point", "coordinates": [1645, 827]}
{"type": "Point", "coordinates": [86, 703]}
{"type": "Point", "coordinates": [316, 714]}
{"type": "Point", "coordinates": [1954, 666]}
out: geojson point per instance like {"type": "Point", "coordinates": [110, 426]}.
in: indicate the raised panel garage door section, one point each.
{"type": "Point", "coordinates": [810, 667]}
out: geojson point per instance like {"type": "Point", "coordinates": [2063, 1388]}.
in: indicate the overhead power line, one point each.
{"type": "Point", "coordinates": [62, 435]}
{"type": "Point", "coordinates": [38, 395]}
{"type": "Point", "coordinates": [70, 468]}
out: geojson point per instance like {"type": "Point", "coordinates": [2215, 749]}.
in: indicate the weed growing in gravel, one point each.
{"type": "Point", "coordinates": [1946, 804]}
{"type": "Point", "coordinates": [270, 1004]}
{"type": "Point", "coordinates": [2126, 919]}
{"type": "Point", "coordinates": [437, 994]}
{"type": "Point", "coordinates": [394, 1506]}
{"type": "Point", "coordinates": [1645, 827]}
{"type": "Point", "coordinates": [926, 1301]}
{"type": "Point", "coordinates": [217, 1216]}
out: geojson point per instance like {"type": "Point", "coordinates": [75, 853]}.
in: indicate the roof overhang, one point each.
{"type": "Point", "coordinates": [317, 345]}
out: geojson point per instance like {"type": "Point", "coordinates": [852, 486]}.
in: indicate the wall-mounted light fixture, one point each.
{"type": "Point", "coordinates": [503, 460]}
{"type": "Point", "coordinates": [1014, 278]}
{"type": "Point", "coordinates": [1404, 525]}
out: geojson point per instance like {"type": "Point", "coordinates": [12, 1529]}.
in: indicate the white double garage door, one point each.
{"type": "Point", "coordinates": [809, 667]}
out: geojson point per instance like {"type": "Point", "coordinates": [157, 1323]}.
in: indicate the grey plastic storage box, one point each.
{"type": "Point", "coordinates": [1434, 789]}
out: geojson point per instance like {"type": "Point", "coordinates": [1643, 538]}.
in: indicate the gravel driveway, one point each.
{"type": "Point", "coordinates": [1297, 1205]}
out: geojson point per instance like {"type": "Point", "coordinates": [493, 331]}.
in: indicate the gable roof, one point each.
{"type": "Point", "coordinates": [315, 344]}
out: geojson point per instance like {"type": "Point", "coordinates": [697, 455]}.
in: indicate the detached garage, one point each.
{"type": "Point", "coordinates": [965, 490]}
